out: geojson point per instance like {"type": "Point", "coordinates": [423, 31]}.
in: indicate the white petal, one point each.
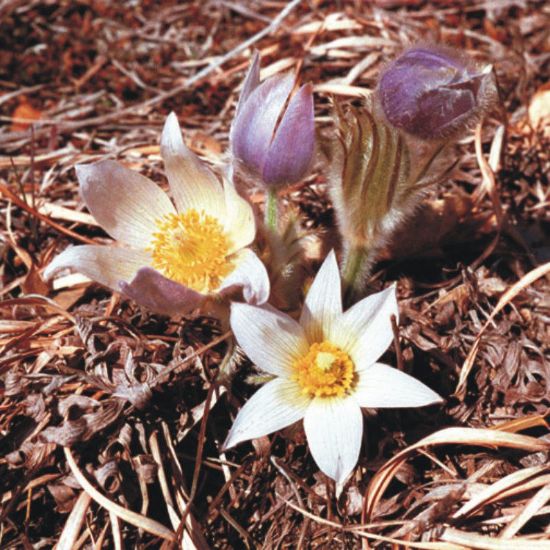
{"type": "Point", "coordinates": [334, 429]}
{"type": "Point", "coordinates": [272, 340]}
{"type": "Point", "coordinates": [108, 265]}
{"type": "Point", "coordinates": [365, 330]}
{"type": "Point", "coordinates": [125, 203]}
{"type": "Point", "coordinates": [239, 220]}
{"type": "Point", "coordinates": [381, 386]}
{"type": "Point", "coordinates": [192, 183]}
{"type": "Point", "coordinates": [250, 273]}
{"type": "Point", "coordinates": [323, 303]}
{"type": "Point", "coordinates": [274, 406]}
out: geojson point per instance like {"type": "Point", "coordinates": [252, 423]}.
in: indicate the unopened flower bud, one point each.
{"type": "Point", "coordinates": [273, 134]}
{"type": "Point", "coordinates": [431, 92]}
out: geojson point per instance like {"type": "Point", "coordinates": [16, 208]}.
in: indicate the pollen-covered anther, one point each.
{"type": "Point", "coordinates": [325, 371]}
{"type": "Point", "coordinates": [193, 249]}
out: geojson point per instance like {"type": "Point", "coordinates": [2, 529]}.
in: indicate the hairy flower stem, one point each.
{"type": "Point", "coordinates": [227, 365]}
{"type": "Point", "coordinates": [271, 209]}
{"type": "Point", "coordinates": [354, 273]}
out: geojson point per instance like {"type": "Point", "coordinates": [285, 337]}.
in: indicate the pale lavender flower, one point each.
{"type": "Point", "coordinates": [273, 134]}
{"type": "Point", "coordinates": [432, 92]}
{"type": "Point", "coordinates": [169, 255]}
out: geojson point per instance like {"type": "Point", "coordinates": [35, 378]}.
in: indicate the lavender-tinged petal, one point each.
{"type": "Point", "coordinates": [103, 264]}
{"type": "Point", "coordinates": [125, 203]}
{"type": "Point", "coordinates": [239, 221]}
{"type": "Point", "coordinates": [365, 330]}
{"type": "Point", "coordinates": [251, 81]}
{"type": "Point", "coordinates": [291, 152]}
{"type": "Point", "coordinates": [334, 430]}
{"type": "Point", "coordinates": [432, 58]}
{"type": "Point", "coordinates": [323, 303]}
{"type": "Point", "coordinates": [155, 292]}
{"type": "Point", "coordinates": [192, 183]}
{"type": "Point", "coordinates": [254, 126]}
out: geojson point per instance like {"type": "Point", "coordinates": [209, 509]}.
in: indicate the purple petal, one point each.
{"type": "Point", "coordinates": [254, 126]}
{"type": "Point", "coordinates": [153, 291]}
{"type": "Point", "coordinates": [438, 110]}
{"type": "Point", "coordinates": [291, 152]}
{"type": "Point", "coordinates": [251, 80]}
{"type": "Point", "coordinates": [431, 91]}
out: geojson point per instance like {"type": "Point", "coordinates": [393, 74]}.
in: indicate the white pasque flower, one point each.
{"type": "Point", "coordinates": [325, 369]}
{"type": "Point", "coordinates": [171, 254]}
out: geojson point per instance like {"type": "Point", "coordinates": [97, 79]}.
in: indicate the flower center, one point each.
{"type": "Point", "coordinates": [191, 248]}
{"type": "Point", "coordinates": [325, 371]}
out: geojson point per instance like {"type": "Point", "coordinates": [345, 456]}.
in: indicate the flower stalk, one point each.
{"type": "Point", "coordinates": [271, 209]}
{"type": "Point", "coordinates": [370, 186]}
{"type": "Point", "coordinates": [354, 273]}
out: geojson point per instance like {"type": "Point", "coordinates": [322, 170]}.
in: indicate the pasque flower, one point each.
{"type": "Point", "coordinates": [432, 92]}
{"type": "Point", "coordinates": [390, 149]}
{"type": "Point", "coordinates": [170, 254]}
{"type": "Point", "coordinates": [325, 369]}
{"type": "Point", "coordinates": [273, 133]}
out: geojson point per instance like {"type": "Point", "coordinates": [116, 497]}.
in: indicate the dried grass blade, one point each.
{"type": "Point", "coordinates": [520, 424]}
{"type": "Point", "coordinates": [143, 522]}
{"type": "Point", "coordinates": [460, 436]}
{"type": "Point", "coordinates": [115, 529]}
{"type": "Point", "coordinates": [527, 512]}
{"type": "Point", "coordinates": [4, 190]}
{"type": "Point", "coordinates": [368, 535]}
{"type": "Point", "coordinates": [192, 537]}
{"type": "Point", "coordinates": [496, 489]}
{"type": "Point", "coordinates": [74, 522]}
{"type": "Point", "coordinates": [482, 542]}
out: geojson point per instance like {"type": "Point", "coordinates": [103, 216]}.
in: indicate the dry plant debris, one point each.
{"type": "Point", "coordinates": [113, 418]}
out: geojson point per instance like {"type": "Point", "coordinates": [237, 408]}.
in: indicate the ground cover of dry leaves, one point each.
{"type": "Point", "coordinates": [111, 418]}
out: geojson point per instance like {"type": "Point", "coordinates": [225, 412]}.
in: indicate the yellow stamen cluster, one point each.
{"type": "Point", "coordinates": [325, 371]}
{"type": "Point", "coordinates": [192, 248]}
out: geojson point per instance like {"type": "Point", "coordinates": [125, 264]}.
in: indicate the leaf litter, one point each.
{"type": "Point", "coordinates": [113, 419]}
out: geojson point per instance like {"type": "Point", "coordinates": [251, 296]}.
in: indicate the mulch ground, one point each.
{"type": "Point", "coordinates": [112, 418]}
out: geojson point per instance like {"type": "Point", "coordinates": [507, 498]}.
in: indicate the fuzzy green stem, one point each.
{"type": "Point", "coordinates": [353, 273]}
{"type": "Point", "coordinates": [271, 209]}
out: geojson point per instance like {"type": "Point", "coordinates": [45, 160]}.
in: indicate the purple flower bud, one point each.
{"type": "Point", "coordinates": [432, 92]}
{"type": "Point", "coordinates": [273, 134]}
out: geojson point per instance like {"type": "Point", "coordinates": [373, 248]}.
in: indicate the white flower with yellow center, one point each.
{"type": "Point", "coordinates": [325, 369]}
{"type": "Point", "coordinates": [171, 254]}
